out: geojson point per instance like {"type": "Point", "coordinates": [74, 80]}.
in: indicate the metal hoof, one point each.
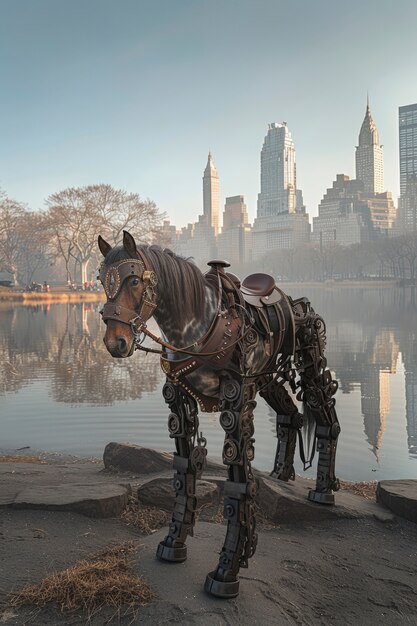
{"type": "Point", "coordinates": [221, 589]}
{"type": "Point", "coordinates": [177, 554]}
{"type": "Point", "coordinates": [321, 497]}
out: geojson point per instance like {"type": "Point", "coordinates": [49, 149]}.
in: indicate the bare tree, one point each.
{"type": "Point", "coordinates": [12, 221]}
{"type": "Point", "coordinates": [35, 254]}
{"type": "Point", "coordinates": [121, 211]}
{"type": "Point", "coordinates": [76, 216]}
{"type": "Point", "coordinates": [410, 253]}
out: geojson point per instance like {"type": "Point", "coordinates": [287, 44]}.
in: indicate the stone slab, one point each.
{"type": "Point", "coordinates": [132, 458]}
{"type": "Point", "coordinates": [128, 457]}
{"type": "Point", "coordinates": [286, 502]}
{"type": "Point", "coordinates": [400, 496]}
{"type": "Point", "coordinates": [94, 500]}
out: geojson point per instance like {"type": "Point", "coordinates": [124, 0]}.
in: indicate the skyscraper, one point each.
{"type": "Point", "coordinates": [234, 243]}
{"type": "Point", "coordinates": [369, 156]}
{"type": "Point", "coordinates": [407, 206]}
{"type": "Point", "coordinates": [408, 144]}
{"type": "Point", "coordinates": [348, 215]}
{"type": "Point", "coordinates": [211, 195]}
{"type": "Point", "coordinates": [358, 210]}
{"type": "Point", "coordinates": [278, 172]}
{"type": "Point", "coordinates": [281, 221]}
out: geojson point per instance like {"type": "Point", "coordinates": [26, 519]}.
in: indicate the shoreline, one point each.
{"type": "Point", "coordinates": [62, 296]}
{"type": "Point", "coordinates": [54, 514]}
{"type": "Point", "coordinates": [364, 488]}
{"type": "Point", "coordinates": [342, 284]}
{"type": "Point", "coordinates": [52, 297]}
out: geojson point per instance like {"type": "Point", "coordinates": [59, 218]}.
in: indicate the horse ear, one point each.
{"type": "Point", "coordinates": [104, 246]}
{"type": "Point", "coordinates": [129, 244]}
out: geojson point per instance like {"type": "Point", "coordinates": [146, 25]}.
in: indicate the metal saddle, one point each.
{"type": "Point", "coordinates": [260, 290]}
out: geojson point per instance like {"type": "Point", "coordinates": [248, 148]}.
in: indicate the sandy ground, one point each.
{"type": "Point", "coordinates": [335, 572]}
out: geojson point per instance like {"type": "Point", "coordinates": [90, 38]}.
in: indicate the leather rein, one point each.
{"type": "Point", "coordinates": [112, 278]}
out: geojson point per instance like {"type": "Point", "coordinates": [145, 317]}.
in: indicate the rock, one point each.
{"type": "Point", "coordinates": [400, 496]}
{"type": "Point", "coordinates": [215, 468]}
{"type": "Point", "coordinates": [160, 493]}
{"type": "Point", "coordinates": [93, 500]}
{"type": "Point", "coordinates": [131, 458]}
{"type": "Point", "coordinates": [139, 460]}
{"type": "Point", "coordinates": [286, 502]}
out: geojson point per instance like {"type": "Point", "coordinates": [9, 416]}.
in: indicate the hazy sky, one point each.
{"type": "Point", "coordinates": [135, 92]}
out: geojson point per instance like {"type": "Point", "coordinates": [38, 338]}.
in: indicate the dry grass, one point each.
{"type": "Point", "coordinates": [365, 489]}
{"type": "Point", "coordinates": [102, 581]}
{"type": "Point", "coordinates": [15, 458]}
{"type": "Point", "coordinates": [147, 519]}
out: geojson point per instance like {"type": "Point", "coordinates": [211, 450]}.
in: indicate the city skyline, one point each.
{"type": "Point", "coordinates": [129, 100]}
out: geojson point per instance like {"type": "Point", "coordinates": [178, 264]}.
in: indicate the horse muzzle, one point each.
{"type": "Point", "coordinates": [118, 344]}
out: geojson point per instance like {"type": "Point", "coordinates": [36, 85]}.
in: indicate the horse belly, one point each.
{"type": "Point", "coordinates": [205, 381]}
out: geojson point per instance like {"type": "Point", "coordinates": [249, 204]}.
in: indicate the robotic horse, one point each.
{"type": "Point", "coordinates": [222, 343]}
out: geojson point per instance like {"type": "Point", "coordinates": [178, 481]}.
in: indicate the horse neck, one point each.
{"type": "Point", "coordinates": [178, 328]}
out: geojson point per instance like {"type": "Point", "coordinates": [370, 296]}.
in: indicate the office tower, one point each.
{"type": "Point", "coordinates": [348, 215]}
{"type": "Point", "coordinates": [407, 206]}
{"type": "Point", "coordinates": [282, 221]}
{"type": "Point", "coordinates": [369, 156]}
{"type": "Point", "coordinates": [167, 235]}
{"type": "Point", "coordinates": [211, 195]}
{"type": "Point", "coordinates": [235, 213]}
{"type": "Point", "coordinates": [278, 172]}
{"type": "Point", "coordinates": [408, 144]}
{"type": "Point", "coordinates": [234, 242]}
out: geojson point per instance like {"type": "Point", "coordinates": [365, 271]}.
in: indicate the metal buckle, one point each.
{"type": "Point", "coordinates": [138, 334]}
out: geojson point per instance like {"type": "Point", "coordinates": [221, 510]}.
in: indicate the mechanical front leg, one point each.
{"type": "Point", "coordinates": [188, 464]}
{"type": "Point", "coordinates": [236, 418]}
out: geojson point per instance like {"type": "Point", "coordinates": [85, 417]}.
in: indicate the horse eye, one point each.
{"type": "Point", "coordinates": [135, 282]}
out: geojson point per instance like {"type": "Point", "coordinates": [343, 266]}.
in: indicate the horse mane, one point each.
{"type": "Point", "coordinates": [180, 280]}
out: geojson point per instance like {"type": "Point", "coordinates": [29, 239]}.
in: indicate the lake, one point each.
{"type": "Point", "coordinates": [61, 391]}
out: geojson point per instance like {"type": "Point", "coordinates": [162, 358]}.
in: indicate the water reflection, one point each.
{"type": "Point", "coordinates": [57, 352]}
{"type": "Point", "coordinates": [66, 343]}
{"type": "Point", "coordinates": [410, 367]}
{"type": "Point", "coordinates": [369, 332]}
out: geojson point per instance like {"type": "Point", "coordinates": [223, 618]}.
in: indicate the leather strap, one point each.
{"type": "Point", "coordinates": [217, 349]}
{"type": "Point", "coordinates": [114, 311]}
{"type": "Point", "coordinates": [113, 276]}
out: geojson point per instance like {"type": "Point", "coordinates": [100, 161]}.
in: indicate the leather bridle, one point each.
{"type": "Point", "coordinates": [112, 278]}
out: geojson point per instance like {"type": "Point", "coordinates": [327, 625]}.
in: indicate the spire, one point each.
{"type": "Point", "coordinates": [368, 134]}
{"type": "Point", "coordinates": [210, 167]}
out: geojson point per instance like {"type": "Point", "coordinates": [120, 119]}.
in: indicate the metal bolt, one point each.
{"type": "Point", "coordinates": [229, 510]}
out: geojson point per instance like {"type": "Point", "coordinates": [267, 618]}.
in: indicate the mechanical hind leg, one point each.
{"type": "Point", "coordinates": [188, 462]}
{"type": "Point", "coordinates": [317, 389]}
{"type": "Point", "coordinates": [288, 422]}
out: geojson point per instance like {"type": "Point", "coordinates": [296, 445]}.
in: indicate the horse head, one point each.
{"type": "Point", "coordinates": [128, 282]}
